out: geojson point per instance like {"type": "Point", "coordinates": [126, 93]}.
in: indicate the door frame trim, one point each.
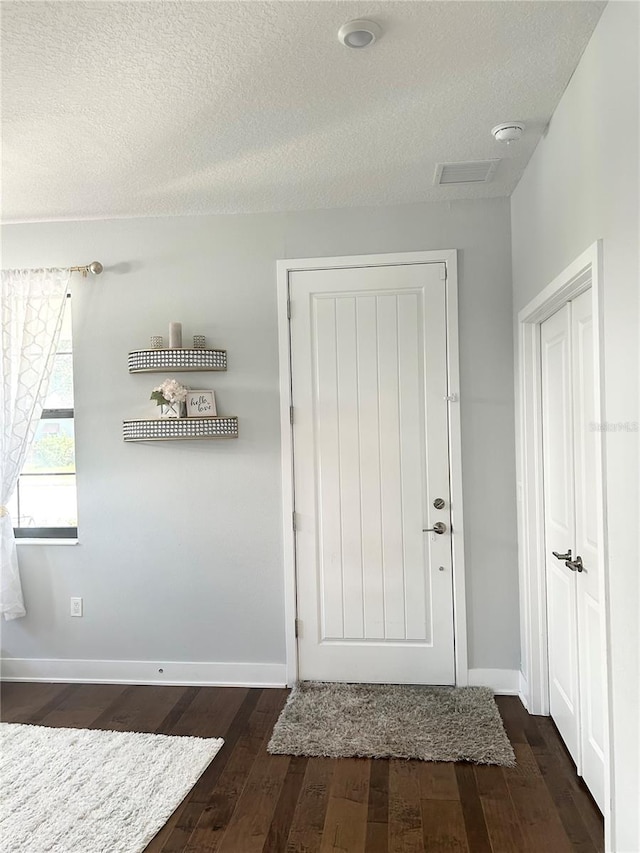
{"type": "Point", "coordinates": [583, 273]}
{"type": "Point", "coordinates": [284, 267]}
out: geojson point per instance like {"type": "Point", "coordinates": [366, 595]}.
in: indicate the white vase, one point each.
{"type": "Point", "coordinates": [171, 410]}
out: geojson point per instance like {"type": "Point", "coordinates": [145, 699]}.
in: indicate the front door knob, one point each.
{"type": "Point", "coordinates": [438, 527]}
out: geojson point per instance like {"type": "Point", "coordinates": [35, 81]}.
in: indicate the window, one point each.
{"type": "Point", "coordinates": [45, 503]}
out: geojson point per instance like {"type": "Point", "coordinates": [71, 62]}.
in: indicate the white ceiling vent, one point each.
{"type": "Point", "coordinates": [471, 172]}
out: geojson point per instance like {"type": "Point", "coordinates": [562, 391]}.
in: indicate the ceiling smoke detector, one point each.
{"type": "Point", "coordinates": [359, 34]}
{"type": "Point", "coordinates": [511, 131]}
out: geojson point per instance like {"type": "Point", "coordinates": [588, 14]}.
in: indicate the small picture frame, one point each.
{"type": "Point", "coordinates": [201, 404]}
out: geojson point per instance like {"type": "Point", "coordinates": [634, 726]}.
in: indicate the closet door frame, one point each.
{"type": "Point", "coordinates": [584, 273]}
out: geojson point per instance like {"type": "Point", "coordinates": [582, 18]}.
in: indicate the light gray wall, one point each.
{"type": "Point", "coordinates": [582, 185]}
{"type": "Point", "coordinates": [180, 554]}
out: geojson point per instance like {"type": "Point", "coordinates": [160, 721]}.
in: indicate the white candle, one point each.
{"type": "Point", "coordinates": [175, 335]}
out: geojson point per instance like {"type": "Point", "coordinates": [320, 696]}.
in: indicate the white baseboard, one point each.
{"type": "Point", "coordinates": [196, 673]}
{"type": "Point", "coordinates": [502, 681]}
{"type": "Point", "coordinates": [523, 690]}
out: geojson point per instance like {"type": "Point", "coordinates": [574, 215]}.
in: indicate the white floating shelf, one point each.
{"type": "Point", "coordinates": [173, 429]}
{"type": "Point", "coordinates": [176, 360]}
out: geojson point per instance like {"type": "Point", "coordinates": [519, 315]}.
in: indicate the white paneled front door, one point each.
{"type": "Point", "coordinates": [370, 431]}
{"type": "Point", "coordinates": [574, 606]}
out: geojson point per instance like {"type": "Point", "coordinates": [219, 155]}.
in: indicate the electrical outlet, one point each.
{"type": "Point", "coordinates": [76, 607]}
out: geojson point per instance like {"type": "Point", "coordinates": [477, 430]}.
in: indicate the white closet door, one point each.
{"type": "Point", "coordinates": [589, 604]}
{"type": "Point", "coordinates": [562, 617]}
{"type": "Point", "coordinates": [369, 386]}
{"type": "Point", "coordinates": [574, 605]}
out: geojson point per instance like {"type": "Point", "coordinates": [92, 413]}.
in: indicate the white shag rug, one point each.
{"type": "Point", "coordinates": [82, 791]}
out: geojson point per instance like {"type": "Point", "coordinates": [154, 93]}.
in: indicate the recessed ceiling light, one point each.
{"type": "Point", "coordinates": [359, 34]}
{"type": "Point", "coordinates": [510, 131]}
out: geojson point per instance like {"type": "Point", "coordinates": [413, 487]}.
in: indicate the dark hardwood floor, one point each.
{"type": "Point", "coordinates": [250, 801]}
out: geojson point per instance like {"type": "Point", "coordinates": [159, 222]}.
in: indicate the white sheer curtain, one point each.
{"type": "Point", "coordinates": [32, 305]}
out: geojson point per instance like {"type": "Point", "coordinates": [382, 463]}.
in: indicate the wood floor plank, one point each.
{"type": "Point", "coordinates": [438, 780]}
{"type": "Point", "coordinates": [514, 718]}
{"type": "Point", "coordinates": [220, 805]}
{"type": "Point", "coordinates": [443, 827]}
{"type": "Point", "coordinates": [249, 825]}
{"type": "Point", "coordinates": [42, 713]}
{"type": "Point", "coordinates": [204, 788]}
{"type": "Point", "coordinates": [305, 835]}
{"type": "Point", "coordinates": [211, 711]}
{"type": "Point", "coordinates": [283, 816]}
{"type": "Point", "coordinates": [202, 712]}
{"type": "Point", "coordinates": [345, 826]}
{"type": "Point", "coordinates": [139, 709]}
{"type": "Point", "coordinates": [377, 840]}
{"type": "Point", "coordinates": [574, 827]}
{"type": "Point", "coordinates": [477, 833]}
{"type": "Point", "coordinates": [23, 700]}
{"type": "Point", "coordinates": [580, 816]}
{"type": "Point", "coordinates": [539, 821]}
{"type": "Point", "coordinates": [500, 817]}
{"type": "Point", "coordinates": [170, 721]}
{"type": "Point", "coordinates": [405, 817]}
{"type": "Point", "coordinates": [82, 707]}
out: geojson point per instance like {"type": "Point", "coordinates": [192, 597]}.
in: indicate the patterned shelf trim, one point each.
{"type": "Point", "coordinates": [167, 429]}
{"type": "Point", "coordinates": [160, 360]}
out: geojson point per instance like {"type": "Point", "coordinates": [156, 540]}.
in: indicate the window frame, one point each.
{"type": "Point", "coordinates": [49, 532]}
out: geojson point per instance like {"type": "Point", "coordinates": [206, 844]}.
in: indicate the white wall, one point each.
{"type": "Point", "coordinates": [180, 554]}
{"type": "Point", "coordinates": [580, 186]}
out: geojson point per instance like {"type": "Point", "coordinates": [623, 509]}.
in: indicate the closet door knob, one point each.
{"type": "Point", "coordinates": [566, 556]}
{"type": "Point", "coordinates": [575, 565]}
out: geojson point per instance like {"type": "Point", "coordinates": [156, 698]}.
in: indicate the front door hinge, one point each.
{"type": "Point", "coordinates": [288, 307]}
{"type": "Point", "coordinates": [293, 521]}
{"type": "Point", "coordinates": [291, 415]}
{"type": "Point", "coordinates": [298, 628]}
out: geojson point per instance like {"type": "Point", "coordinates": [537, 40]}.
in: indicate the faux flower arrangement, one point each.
{"type": "Point", "coordinates": [169, 392]}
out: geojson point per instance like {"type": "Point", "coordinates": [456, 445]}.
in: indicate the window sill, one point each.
{"type": "Point", "coordinates": [46, 541]}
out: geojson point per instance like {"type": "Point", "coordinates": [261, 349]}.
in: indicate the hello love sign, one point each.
{"type": "Point", "coordinates": [201, 404]}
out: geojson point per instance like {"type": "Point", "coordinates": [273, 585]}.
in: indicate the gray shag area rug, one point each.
{"type": "Point", "coordinates": [392, 721]}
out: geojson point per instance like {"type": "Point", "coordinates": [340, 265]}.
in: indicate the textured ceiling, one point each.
{"type": "Point", "coordinates": [115, 109]}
